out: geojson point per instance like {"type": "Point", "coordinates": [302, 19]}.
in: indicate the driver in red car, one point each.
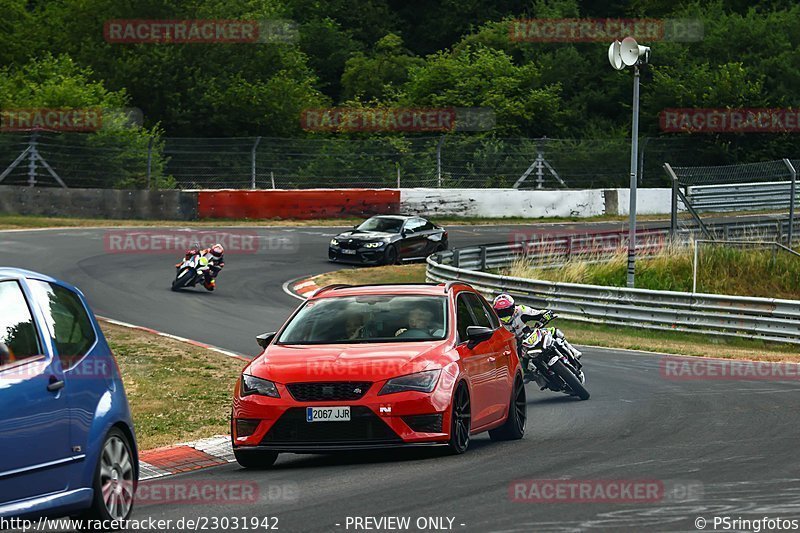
{"type": "Point", "coordinates": [419, 319]}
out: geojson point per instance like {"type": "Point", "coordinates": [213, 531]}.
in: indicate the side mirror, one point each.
{"type": "Point", "coordinates": [478, 334]}
{"type": "Point", "coordinates": [5, 354]}
{"type": "Point", "coordinates": [404, 232]}
{"type": "Point", "coordinates": [264, 339]}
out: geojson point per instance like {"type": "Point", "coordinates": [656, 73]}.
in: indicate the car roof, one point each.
{"type": "Point", "coordinates": [16, 273]}
{"type": "Point", "coordinates": [398, 217]}
{"type": "Point", "coordinates": [21, 273]}
{"type": "Point", "coordinates": [400, 289]}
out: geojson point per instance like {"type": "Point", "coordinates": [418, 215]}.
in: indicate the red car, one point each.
{"type": "Point", "coordinates": [376, 367]}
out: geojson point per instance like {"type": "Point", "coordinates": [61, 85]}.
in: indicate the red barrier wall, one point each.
{"type": "Point", "coordinates": [302, 204]}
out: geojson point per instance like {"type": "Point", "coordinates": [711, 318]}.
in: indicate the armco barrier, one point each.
{"type": "Point", "coordinates": [714, 314]}
{"type": "Point", "coordinates": [300, 204]}
{"type": "Point", "coordinates": [741, 196]}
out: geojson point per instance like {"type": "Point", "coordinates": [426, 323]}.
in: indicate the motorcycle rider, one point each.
{"type": "Point", "coordinates": [216, 261]}
{"type": "Point", "coordinates": [515, 318]}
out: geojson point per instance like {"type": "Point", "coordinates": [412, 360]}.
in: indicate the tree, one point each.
{"type": "Point", "coordinates": [372, 77]}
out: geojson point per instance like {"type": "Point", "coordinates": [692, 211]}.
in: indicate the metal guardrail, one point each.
{"type": "Point", "coordinates": [763, 318]}
{"type": "Point", "coordinates": [741, 197]}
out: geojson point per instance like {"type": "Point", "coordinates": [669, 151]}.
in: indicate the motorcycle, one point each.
{"type": "Point", "coordinates": [549, 363]}
{"type": "Point", "coordinates": [190, 272]}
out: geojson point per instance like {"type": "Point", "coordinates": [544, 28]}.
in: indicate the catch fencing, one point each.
{"type": "Point", "coordinates": [133, 159]}
{"type": "Point", "coordinates": [763, 318]}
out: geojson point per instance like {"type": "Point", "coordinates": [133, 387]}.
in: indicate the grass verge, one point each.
{"type": "Point", "coordinates": [673, 342]}
{"type": "Point", "coordinates": [177, 392]}
{"type": "Point", "coordinates": [35, 222]}
{"type": "Point", "coordinates": [742, 271]}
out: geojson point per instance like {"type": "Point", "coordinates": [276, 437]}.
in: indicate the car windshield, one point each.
{"type": "Point", "coordinates": [386, 225]}
{"type": "Point", "coordinates": [372, 318]}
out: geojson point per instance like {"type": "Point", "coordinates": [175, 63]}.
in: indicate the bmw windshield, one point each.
{"type": "Point", "coordinates": [385, 225]}
{"type": "Point", "coordinates": [368, 319]}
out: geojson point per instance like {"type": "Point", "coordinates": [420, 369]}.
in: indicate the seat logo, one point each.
{"type": "Point", "coordinates": [357, 390]}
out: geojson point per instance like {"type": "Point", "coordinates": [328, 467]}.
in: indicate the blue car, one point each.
{"type": "Point", "coordinates": [67, 445]}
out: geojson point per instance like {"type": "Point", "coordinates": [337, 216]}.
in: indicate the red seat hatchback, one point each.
{"type": "Point", "coordinates": [380, 366]}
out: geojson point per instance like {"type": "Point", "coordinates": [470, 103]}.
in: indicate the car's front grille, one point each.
{"type": "Point", "coordinates": [328, 391]}
{"type": "Point", "coordinates": [364, 427]}
{"type": "Point", "coordinates": [350, 245]}
{"type": "Point", "coordinates": [424, 423]}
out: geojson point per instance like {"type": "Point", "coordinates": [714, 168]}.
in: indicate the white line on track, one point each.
{"type": "Point", "coordinates": [174, 337]}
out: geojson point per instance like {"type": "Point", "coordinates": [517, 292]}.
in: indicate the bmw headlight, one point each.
{"type": "Point", "coordinates": [254, 385]}
{"type": "Point", "coordinates": [374, 244]}
{"type": "Point", "coordinates": [334, 242]}
{"type": "Point", "coordinates": [421, 382]}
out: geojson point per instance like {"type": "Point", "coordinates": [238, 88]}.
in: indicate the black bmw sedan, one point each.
{"type": "Point", "coordinates": [387, 240]}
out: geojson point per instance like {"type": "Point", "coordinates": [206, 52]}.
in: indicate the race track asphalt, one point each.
{"type": "Point", "coordinates": [713, 447]}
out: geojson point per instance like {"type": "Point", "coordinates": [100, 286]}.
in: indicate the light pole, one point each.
{"type": "Point", "coordinates": [630, 54]}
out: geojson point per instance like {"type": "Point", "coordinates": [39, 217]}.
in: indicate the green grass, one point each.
{"type": "Point", "coordinates": [673, 342]}
{"type": "Point", "coordinates": [177, 392]}
{"type": "Point", "coordinates": [743, 271]}
{"type": "Point", "coordinates": [35, 222]}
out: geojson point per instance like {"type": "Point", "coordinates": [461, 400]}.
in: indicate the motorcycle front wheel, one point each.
{"type": "Point", "coordinates": [571, 380]}
{"type": "Point", "coordinates": [183, 279]}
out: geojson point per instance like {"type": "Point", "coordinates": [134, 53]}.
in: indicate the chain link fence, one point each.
{"type": "Point", "coordinates": [767, 186]}
{"type": "Point", "coordinates": [450, 160]}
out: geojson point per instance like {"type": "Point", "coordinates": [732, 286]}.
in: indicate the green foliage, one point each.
{"type": "Point", "coordinates": [382, 52]}
{"type": "Point", "coordinates": [372, 77]}
{"type": "Point", "coordinates": [743, 271]}
{"type": "Point", "coordinates": [59, 83]}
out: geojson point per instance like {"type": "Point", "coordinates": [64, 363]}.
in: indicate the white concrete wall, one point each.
{"type": "Point", "coordinates": [502, 202]}
{"type": "Point", "coordinates": [648, 201]}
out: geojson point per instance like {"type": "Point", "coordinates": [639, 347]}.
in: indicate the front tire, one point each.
{"type": "Point", "coordinates": [390, 256]}
{"type": "Point", "coordinates": [182, 281]}
{"type": "Point", "coordinates": [514, 427]}
{"type": "Point", "coordinates": [114, 480]}
{"type": "Point", "coordinates": [259, 459]}
{"type": "Point", "coordinates": [571, 379]}
{"type": "Point", "coordinates": [460, 421]}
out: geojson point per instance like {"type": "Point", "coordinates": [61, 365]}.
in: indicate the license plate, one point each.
{"type": "Point", "coordinates": [349, 252]}
{"type": "Point", "coordinates": [328, 414]}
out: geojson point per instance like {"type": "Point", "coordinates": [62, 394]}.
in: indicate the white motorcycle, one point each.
{"type": "Point", "coordinates": [550, 364]}
{"type": "Point", "coordinates": [190, 272]}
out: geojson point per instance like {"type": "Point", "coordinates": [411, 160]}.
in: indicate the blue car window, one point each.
{"type": "Point", "coordinates": [72, 329]}
{"type": "Point", "coordinates": [17, 329]}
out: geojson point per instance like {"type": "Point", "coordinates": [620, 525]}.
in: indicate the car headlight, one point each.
{"type": "Point", "coordinates": [254, 385]}
{"type": "Point", "coordinates": [374, 244]}
{"type": "Point", "coordinates": [334, 242]}
{"type": "Point", "coordinates": [421, 382]}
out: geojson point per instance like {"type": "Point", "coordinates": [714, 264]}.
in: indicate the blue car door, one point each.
{"type": "Point", "coordinates": [35, 455]}
{"type": "Point", "coordinates": [87, 364]}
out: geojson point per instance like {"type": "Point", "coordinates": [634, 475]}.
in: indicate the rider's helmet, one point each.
{"type": "Point", "coordinates": [217, 250]}
{"type": "Point", "coordinates": [504, 306]}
